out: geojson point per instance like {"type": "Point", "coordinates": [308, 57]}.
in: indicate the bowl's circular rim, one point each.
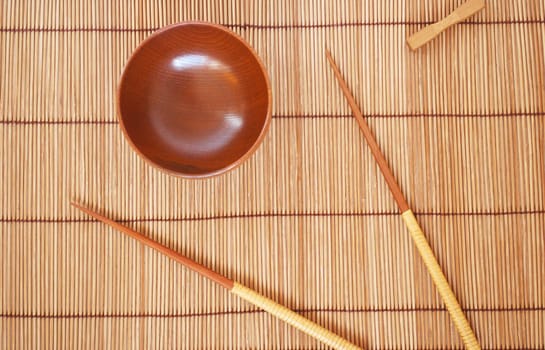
{"type": "Point", "coordinates": [260, 137]}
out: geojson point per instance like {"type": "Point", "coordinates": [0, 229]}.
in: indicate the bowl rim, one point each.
{"type": "Point", "coordinates": [241, 159]}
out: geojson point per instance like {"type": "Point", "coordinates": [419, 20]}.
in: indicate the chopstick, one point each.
{"type": "Point", "coordinates": [439, 279]}
{"type": "Point", "coordinates": [303, 324]}
{"type": "Point", "coordinates": [461, 13]}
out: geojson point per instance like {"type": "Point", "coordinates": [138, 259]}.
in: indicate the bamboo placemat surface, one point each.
{"type": "Point", "coordinates": [308, 220]}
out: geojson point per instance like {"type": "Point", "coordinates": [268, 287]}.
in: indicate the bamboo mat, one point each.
{"type": "Point", "coordinates": [308, 220]}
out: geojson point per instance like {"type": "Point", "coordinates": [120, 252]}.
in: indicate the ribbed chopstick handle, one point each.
{"type": "Point", "coordinates": [451, 303]}
{"type": "Point", "coordinates": [292, 318]}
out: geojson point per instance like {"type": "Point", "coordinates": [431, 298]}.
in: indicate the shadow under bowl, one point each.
{"type": "Point", "coordinates": [194, 100]}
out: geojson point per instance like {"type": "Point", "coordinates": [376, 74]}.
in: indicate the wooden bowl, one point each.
{"type": "Point", "coordinates": [194, 100]}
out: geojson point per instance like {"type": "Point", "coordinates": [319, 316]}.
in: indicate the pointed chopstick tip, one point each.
{"type": "Point", "coordinates": [337, 73]}
{"type": "Point", "coordinates": [89, 212]}
{"type": "Point", "coordinates": [75, 204]}
{"type": "Point", "coordinates": [329, 56]}
{"type": "Point", "coordinates": [79, 206]}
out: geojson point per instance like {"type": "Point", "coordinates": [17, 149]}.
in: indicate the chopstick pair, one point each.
{"type": "Point", "coordinates": [292, 318]}
{"type": "Point", "coordinates": [287, 315]}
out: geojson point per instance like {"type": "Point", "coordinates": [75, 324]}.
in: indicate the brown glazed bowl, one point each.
{"type": "Point", "coordinates": [194, 100]}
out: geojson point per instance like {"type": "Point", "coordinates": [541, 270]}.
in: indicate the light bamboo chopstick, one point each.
{"type": "Point", "coordinates": [294, 319]}
{"type": "Point", "coordinates": [461, 13]}
{"type": "Point", "coordinates": [453, 307]}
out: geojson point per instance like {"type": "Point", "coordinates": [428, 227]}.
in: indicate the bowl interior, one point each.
{"type": "Point", "coordinates": [194, 100]}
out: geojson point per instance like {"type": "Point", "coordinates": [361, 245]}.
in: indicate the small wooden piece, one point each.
{"type": "Point", "coordinates": [464, 11]}
{"type": "Point", "coordinates": [420, 241]}
{"type": "Point", "coordinates": [292, 318]}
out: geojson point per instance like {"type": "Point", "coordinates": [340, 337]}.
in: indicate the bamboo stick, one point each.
{"type": "Point", "coordinates": [441, 282]}
{"type": "Point", "coordinates": [292, 318]}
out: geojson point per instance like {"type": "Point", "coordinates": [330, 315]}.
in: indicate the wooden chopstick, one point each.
{"type": "Point", "coordinates": [294, 319]}
{"type": "Point", "coordinates": [461, 13]}
{"type": "Point", "coordinates": [438, 277]}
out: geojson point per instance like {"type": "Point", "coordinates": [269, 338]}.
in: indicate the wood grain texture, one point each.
{"type": "Point", "coordinates": [194, 100]}
{"type": "Point", "coordinates": [308, 209]}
